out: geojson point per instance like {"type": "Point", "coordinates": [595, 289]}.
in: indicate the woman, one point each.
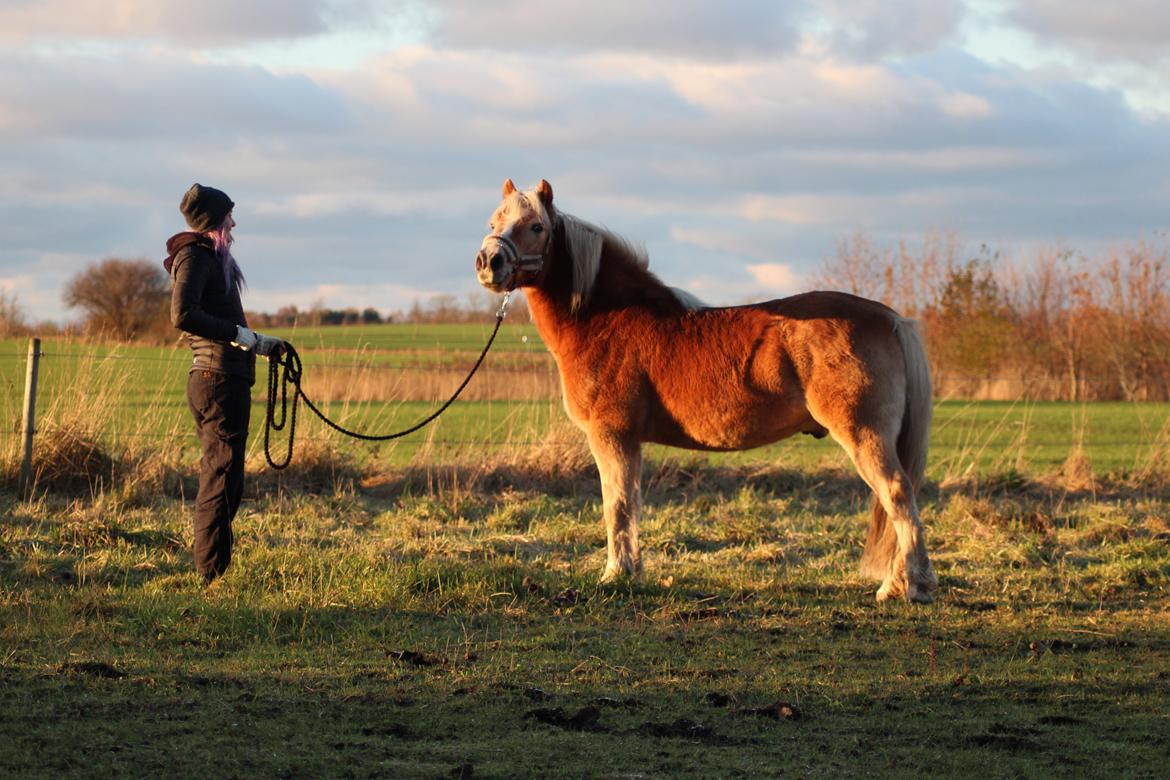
{"type": "Point", "coordinates": [205, 305]}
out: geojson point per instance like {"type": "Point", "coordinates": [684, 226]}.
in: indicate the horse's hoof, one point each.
{"type": "Point", "coordinates": [615, 575]}
{"type": "Point", "coordinates": [888, 591]}
{"type": "Point", "coordinates": [919, 596]}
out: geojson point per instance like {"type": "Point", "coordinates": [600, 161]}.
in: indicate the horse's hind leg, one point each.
{"type": "Point", "coordinates": [908, 572]}
{"type": "Point", "coordinates": [619, 462]}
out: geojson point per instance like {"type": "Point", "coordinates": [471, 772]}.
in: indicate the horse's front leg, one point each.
{"type": "Point", "coordinates": [619, 461]}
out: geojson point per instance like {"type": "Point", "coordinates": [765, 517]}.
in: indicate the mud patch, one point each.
{"type": "Point", "coordinates": [1003, 736]}
{"type": "Point", "coordinates": [585, 719]}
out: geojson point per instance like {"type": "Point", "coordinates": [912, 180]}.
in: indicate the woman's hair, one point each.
{"type": "Point", "coordinates": [222, 238]}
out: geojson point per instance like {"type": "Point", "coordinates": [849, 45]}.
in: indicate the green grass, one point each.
{"type": "Point", "coordinates": [433, 610]}
{"type": "Point", "coordinates": [409, 632]}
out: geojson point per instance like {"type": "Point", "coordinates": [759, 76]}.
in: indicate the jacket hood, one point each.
{"type": "Point", "coordinates": [180, 240]}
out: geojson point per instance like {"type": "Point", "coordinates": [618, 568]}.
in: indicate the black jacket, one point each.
{"type": "Point", "coordinates": [205, 309]}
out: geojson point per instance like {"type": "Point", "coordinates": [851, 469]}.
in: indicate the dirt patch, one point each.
{"type": "Point", "coordinates": [585, 719]}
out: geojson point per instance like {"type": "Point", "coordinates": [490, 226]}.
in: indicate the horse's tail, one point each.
{"type": "Point", "coordinates": [881, 546]}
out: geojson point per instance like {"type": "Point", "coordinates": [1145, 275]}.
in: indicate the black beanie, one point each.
{"type": "Point", "coordinates": [204, 208]}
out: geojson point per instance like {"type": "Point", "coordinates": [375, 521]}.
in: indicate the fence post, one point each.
{"type": "Point", "coordinates": [28, 426]}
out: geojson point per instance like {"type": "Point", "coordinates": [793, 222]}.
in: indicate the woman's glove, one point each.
{"type": "Point", "coordinates": [247, 339]}
{"type": "Point", "coordinates": [269, 346]}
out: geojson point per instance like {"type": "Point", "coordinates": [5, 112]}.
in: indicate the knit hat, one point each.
{"type": "Point", "coordinates": [204, 208]}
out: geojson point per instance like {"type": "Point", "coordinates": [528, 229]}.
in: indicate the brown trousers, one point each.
{"type": "Point", "coordinates": [221, 405]}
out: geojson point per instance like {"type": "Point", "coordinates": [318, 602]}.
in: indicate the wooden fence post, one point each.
{"type": "Point", "coordinates": [28, 426]}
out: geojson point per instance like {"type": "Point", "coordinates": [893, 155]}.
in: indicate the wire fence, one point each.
{"type": "Point", "coordinates": [136, 400]}
{"type": "Point", "coordinates": [67, 388]}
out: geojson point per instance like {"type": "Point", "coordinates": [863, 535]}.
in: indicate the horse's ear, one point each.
{"type": "Point", "coordinates": [544, 190]}
{"type": "Point", "coordinates": [509, 187]}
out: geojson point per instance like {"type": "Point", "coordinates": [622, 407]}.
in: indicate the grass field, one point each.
{"type": "Point", "coordinates": [433, 611]}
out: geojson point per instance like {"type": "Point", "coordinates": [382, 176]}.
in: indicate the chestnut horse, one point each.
{"type": "Point", "coordinates": [642, 362]}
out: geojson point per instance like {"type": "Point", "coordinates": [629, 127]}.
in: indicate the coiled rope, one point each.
{"type": "Point", "coordinates": [287, 370]}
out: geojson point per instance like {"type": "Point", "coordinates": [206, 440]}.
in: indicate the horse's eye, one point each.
{"type": "Point", "coordinates": [537, 227]}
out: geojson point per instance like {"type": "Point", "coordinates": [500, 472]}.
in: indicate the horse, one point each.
{"type": "Point", "coordinates": [643, 362]}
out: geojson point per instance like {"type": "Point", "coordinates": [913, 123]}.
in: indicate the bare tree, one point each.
{"type": "Point", "coordinates": [909, 279]}
{"type": "Point", "coordinates": [859, 267]}
{"type": "Point", "coordinates": [12, 319]}
{"type": "Point", "coordinates": [1136, 328]}
{"type": "Point", "coordinates": [125, 299]}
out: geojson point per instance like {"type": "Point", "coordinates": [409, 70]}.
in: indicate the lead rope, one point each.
{"type": "Point", "coordinates": [290, 362]}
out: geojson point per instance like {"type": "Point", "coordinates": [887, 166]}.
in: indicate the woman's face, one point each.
{"type": "Point", "coordinates": [231, 224]}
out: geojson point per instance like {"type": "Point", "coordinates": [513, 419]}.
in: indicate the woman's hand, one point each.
{"type": "Point", "coordinates": [268, 346]}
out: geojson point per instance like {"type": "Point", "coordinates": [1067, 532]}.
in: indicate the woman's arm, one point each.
{"type": "Point", "coordinates": [191, 274]}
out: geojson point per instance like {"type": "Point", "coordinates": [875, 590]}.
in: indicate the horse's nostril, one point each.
{"type": "Point", "coordinates": [480, 260]}
{"type": "Point", "coordinates": [497, 263]}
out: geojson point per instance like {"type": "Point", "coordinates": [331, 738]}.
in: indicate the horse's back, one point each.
{"type": "Point", "coordinates": [829, 305]}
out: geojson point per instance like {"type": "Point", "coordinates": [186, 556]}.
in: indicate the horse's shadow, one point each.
{"type": "Point", "coordinates": [668, 481]}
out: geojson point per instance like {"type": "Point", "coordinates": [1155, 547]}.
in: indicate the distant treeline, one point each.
{"type": "Point", "coordinates": [478, 307]}
{"type": "Point", "coordinates": [288, 316]}
{"type": "Point", "coordinates": [1056, 324]}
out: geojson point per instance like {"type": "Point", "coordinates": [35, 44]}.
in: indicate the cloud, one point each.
{"type": "Point", "coordinates": [1136, 30]}
{"type": "Point", "coordinates": [690, 29]}
{"type": "Point", "coordinates": [211, 24]}
{"type": "Point", "coordinates": [775, 277]}
{"type": "Point", "coordinates": [873, 29]}
{"type": "Point", "coordinates": [154, 96]}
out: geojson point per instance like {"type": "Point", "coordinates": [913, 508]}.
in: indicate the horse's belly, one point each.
{"type": "Point", "coordinates": [732, 426]}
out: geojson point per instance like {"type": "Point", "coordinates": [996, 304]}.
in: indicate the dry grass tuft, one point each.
{"type": "Point", "coordinates": [145, 476]}
{"type": "Point", "coordinates": [317, 467]}
{"type": "Point", "coordinates": [1076, 473]}
{"type": "Point", "coordinates": [1154, 469]}
{"type": "Point", "coordinates": [562, 454]}
{"type": "Point", "coordinates": [71, 460]}
{"type": "Point", "coordinates": [89, 524]}
{"type": "Point", "coordinates": [560, 464]}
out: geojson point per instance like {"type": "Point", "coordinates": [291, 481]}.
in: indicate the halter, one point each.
{"type": "Point", "coordinates": [511, 253]}
{"type": "Point", "coordinates": [507, 247]}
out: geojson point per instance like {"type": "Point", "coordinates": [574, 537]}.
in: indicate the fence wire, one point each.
{"type": "Point", "coordinates": [171, 398]}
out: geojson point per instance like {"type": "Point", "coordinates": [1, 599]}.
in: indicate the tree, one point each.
{"type": "Point", "coordinates": [12, 320]}
{"type": "Point", "coordinates": [126, 299]}
{"type": "Point", "coordinates": [970, 329]}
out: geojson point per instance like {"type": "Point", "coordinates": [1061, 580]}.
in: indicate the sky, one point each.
{"type": "Point", "coordinates": [365, 143]}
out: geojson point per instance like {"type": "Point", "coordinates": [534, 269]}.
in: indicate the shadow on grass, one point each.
{"type": "Point", "coordinates": [669, 481]}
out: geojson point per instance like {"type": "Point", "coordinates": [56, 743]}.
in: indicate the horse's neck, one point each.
{"type": "Point", "coordinates": [551, 301]}
{"type": "Point", "coordinates": [553, 317]}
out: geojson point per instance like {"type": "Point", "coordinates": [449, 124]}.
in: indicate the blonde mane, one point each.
{"type": "Point", "coordinates": [586, 242]}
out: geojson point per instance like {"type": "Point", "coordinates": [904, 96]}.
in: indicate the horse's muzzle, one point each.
{"type": "Point", "coordinates": [499, 262]}
{"type": "Point", "coordinates": [491, 269]}
{"type": "Point", "coordinates": [485, 260]}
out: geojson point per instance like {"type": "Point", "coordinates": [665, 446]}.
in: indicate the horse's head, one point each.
{"type": "Point", "coordinates": [513, 254]}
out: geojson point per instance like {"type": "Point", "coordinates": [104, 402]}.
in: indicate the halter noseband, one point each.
{"type": "Point", "coordinates": [511, 253]}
